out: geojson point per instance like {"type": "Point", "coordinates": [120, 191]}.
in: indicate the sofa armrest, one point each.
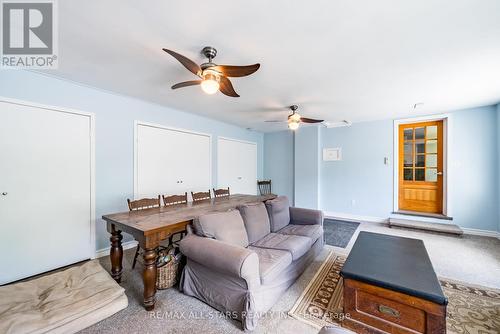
{"type": "Point", "coordinates": [221, 257]}
{"type": "Point", "coordinates": [301, 216]}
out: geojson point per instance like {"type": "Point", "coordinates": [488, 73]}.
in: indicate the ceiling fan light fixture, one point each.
{"type": "Point", "coordinates": [293, 125]}
{"type": "Point", "coordinates": [210, 83]}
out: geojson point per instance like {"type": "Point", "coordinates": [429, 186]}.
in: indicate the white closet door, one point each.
{"type": "Point", "coordinates": [170, 161]}
{"type": "Point", "coordinates": [45, 190]}
{"type": "Point", "coordinates": [237, 166]}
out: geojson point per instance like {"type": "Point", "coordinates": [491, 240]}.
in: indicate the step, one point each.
{"type": "Point", "coordinates": [427, 226]}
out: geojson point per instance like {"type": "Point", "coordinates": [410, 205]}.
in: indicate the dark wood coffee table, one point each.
{"type": "Point", "coordinates": [390, 287]}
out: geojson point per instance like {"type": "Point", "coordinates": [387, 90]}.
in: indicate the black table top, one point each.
{"type": "Point", "coordinates": [395, 263]}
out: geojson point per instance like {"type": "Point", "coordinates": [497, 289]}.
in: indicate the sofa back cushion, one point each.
{"type": "Point", "coordinates": [226, 226]}
{"type": "Point", "coordinates": [256, 221]}
{"type": "Point", "coordinates": [278, 210]}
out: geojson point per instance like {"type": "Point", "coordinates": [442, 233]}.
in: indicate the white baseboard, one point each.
{"type": "Point", "coordinates": [105, 251]}
{"type": "Point", "coordinates": [483, 233]}
{"type": "Point", "coordinates": [371, 219]}
{"type": "Point", "coordinates": [354, 218]}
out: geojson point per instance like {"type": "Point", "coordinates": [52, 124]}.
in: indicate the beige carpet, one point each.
{"type": "Point", "coordinates": [471, 309]}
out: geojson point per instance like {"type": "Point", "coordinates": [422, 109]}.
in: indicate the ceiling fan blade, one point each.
{"type": "Point", "coordinates": [236, 71]}
{"type": "Point", "coordinates": [226, 87]}
{"type": "Point", "coordinates": [310, 120]}
{"type": "Point", "coordinates": [186, 84]}
{"type": "Point", "coordinates": [275, 121]}
{"type": "Point", "coordinates": [186, 62]}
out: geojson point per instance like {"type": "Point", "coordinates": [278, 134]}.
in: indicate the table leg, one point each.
{"type": "Point", "coordinates": [149, 278]}
{"type": "Point", "coordinates": [116, 253]}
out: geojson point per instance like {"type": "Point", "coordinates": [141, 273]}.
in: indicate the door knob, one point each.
{"type": "Point", "coordinates": [439, 173]}
{"type": "Point", "coordinates": [4, 194]}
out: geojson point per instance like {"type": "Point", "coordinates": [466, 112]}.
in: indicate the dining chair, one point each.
{"type": "Point", "coordinates": [221, 192]}
{"type": "Point", "coordinates": [264, 187]}
{"type": "Point", "coordinates": [201, 196]}
{"type": "Point", "coordinates": [175, 199]}
{"type": "Point", "coordinates": [142, 204]}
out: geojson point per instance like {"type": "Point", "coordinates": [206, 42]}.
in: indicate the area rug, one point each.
{"type": "Point", "coordinates": [471, 309]}
{"type": "Point", "coordinates": [338, 233]}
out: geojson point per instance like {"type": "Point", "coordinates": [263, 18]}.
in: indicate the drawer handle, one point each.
{"type": "Point", "coordinates": [389, 311]}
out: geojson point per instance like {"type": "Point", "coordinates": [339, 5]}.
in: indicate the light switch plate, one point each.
{"type": "Point", "coordinates": [332, 154]}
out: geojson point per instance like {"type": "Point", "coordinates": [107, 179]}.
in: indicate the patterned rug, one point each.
{"type": "Point", "coordinates": [471, 309]}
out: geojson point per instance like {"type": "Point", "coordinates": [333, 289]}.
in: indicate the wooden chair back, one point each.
{"type": "Point", "coordinates": [221, 192]}
{"type": "Point", "coordinates": [264, 187]}
{"type": "Point", "coordinates": [144, 203]}
{"type": "Point", "coordinates": [175, 199]}
{"type": "Point", "coordinates": [201, 196]}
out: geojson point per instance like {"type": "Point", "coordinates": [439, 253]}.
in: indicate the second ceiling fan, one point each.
{"type": "Point", "coordinates": [294, 119]}
{"type": "Point", "coordinates": [212, 77]}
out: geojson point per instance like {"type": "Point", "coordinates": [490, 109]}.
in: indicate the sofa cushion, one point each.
{"type": "Point", "coordinates": [271, 262]}
{"type": "Point", "coordinates": [279, 212]}
{"type": "Point", "coordinates": [223, 226]}
{"type": "Point", "coordinates": [311, 231]}
{"type": "Point", "coordinates": [296, 245]}
{"type": "Point", "coordinates": [256, 220]}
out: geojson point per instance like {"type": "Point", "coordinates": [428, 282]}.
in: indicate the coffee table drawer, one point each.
{"type": "Point", "coordinates": [374, 310]}
{"type": "Point", "coordinates": [386, 310]}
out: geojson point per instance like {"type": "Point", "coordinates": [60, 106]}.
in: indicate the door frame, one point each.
{"type": "Point", "coordinates": [240, 141]}
{"type": "Point", "coordinates": [91, 116]}
{"type": "Point", "coordinates": [137, 123]}
{"type": "Point", "coordinates": [447, 154]}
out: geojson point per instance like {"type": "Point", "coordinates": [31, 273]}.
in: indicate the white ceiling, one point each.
{"type": "Point", "coordinates": [354, 60]}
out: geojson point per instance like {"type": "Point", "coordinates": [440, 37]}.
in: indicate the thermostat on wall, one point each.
{"type": "Point", "coordinates": [332, 154]}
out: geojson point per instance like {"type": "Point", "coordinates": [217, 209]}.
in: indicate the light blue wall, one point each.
{"type": "Point", "coordinates": [360, 183]}
{"type": "Point", "coordinates": [114, 120]}
{"type": "Point", "coordinates": [362, 176]}
{"type": "Point", "coordinates": [278, 150]}
{"type": "Point", "coordinates": [474, 168]}
{"type": "Point", "coordinates": [307, 167]}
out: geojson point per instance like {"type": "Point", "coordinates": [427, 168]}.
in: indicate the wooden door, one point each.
{"type": "Point", "coordinates": [45, 190]}
{"type": "Point", "coordinates": [421, 167]}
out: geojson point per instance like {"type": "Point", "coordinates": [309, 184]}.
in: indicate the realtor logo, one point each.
{"type": "Point", "coordinates": [29, 34]}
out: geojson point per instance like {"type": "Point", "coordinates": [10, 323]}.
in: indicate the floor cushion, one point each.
{"type": "Point", "coordinates": [271, 262]}
{"type": "Point", "coordinates": [63, 302]}
{"type": "Point", "coordinates": [256, 220]}
{"type": "Point", "coordinates": [278, 210]}
{"type": "Point", "coordinates": [311, 231]}
{"type": "Point", "coordinates": [225, 226]}
{"type": "Point", "coordinates": [296, 245]}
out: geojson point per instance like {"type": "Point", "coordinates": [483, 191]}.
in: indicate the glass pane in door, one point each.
{"type": "Point", "coordinates": [432, 132]}
{"type": "Point", "coordinates": [431, 146]}
{"type": "Point", "coordinates": [431, 175]}
{"type": "Point", "coordinates": [408, 134]}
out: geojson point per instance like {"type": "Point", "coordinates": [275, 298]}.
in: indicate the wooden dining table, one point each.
{"type": "Point", "coordinates": [151, 226]}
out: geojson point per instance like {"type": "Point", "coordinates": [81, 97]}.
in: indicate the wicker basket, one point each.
{"type": "Point", "coordinates": [166, 275]}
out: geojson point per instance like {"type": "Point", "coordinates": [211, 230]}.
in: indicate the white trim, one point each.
{"type": "Point", "coordinates": [105, 251]}
{"type": "Point", "coordinates": [483, 233]}
{"type": "Point", "coordinates": [237, 140]}
{"type": "Point", "coordinates": [354, 218]}
{"type": "Point", "coordinates": [160, 126]}
{"type": "Point", "coordinates": [447, 154]}
{"type": "Point", "coordinates": [91, 117]}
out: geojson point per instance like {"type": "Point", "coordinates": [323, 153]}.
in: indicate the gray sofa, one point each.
{"type": "Point", "coordinates": [241, 261]}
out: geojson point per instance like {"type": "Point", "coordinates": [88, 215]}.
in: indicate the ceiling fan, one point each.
{"type": "Point", "coordinates": [213, 77]}
{"type": "Point", "coordinates": [294, 119]}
